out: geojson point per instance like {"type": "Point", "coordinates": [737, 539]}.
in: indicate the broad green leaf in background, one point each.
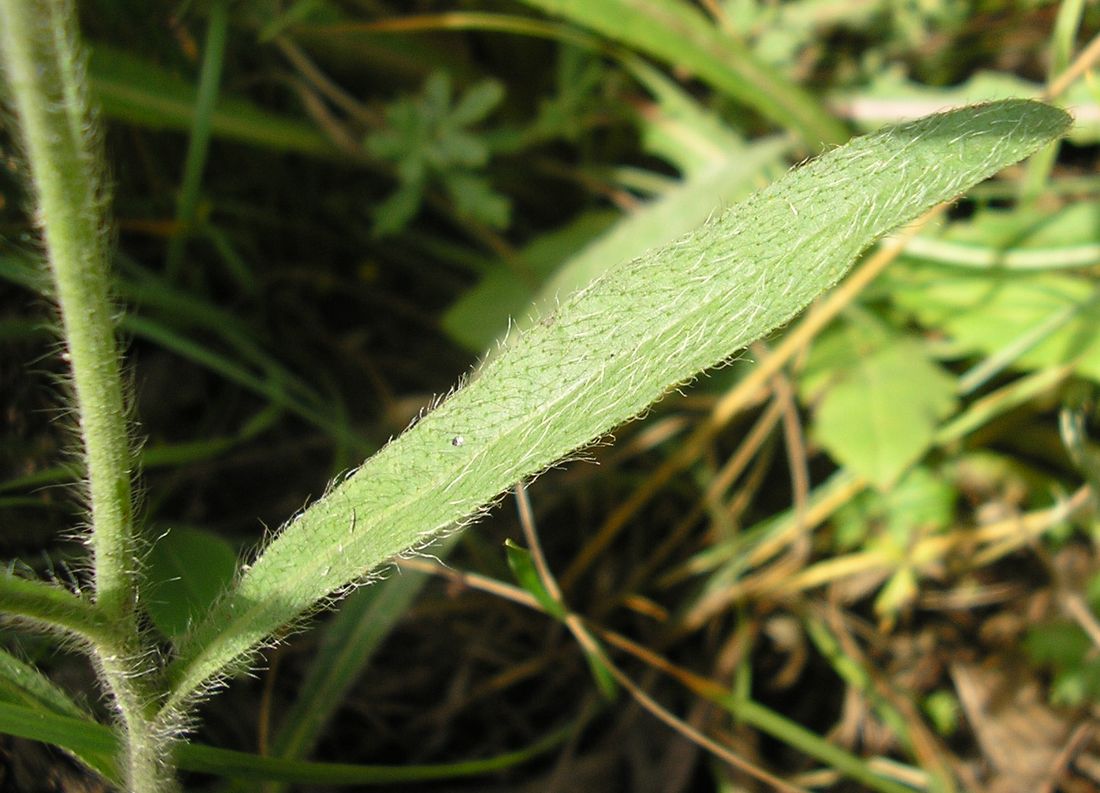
{"type": "Point", "coordinates": [717, 167]}
{"type": "Point", "coordinates": [883, 402]}
{"type": "Point", "coordinates": [482, 314]}
{"type": "Point", "coordinates": [186, 570]}
{"type": "Point", "coordinates": [1035, 320]}
{"type": "Point", "coordinates": [605, 355]}
{"type": "Point", "coordinates": [662, 221]}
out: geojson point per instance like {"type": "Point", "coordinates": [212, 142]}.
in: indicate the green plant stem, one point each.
{"type": "Point", "coordinates": [44, 70]}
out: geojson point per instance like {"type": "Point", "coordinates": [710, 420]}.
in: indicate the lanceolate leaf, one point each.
{"type": "Point", "coordinates": [606, 353]}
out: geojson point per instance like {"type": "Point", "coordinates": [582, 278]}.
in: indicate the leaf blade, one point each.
{"type": "Point", "coordinates": [605, 355]}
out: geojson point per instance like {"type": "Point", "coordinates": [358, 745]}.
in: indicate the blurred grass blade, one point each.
{"type": "Point", "coordinates": [90, 741]}
{"type": "Point", "coordinates": [892, 97]}
{"type": "Point", "coordinates": [679, 34]}
{"type": "Point", "coordinates": [139, 92]}
{"type": "Point", "coordinates": [605, 355]}
{"type": "Point", "coordinates": [991, 257]}
{"type": "Point", "coordinates": [217, 34]}
{"type": "Point", "coordinates": [154, 455]}
{"type": "Point", "coordinates": [241, 765]}
{"type": "Point", "coordinates": [346, 645]}
{"type": "Point", "coordinates": [1063, 40]}
{"type": "Point", "coordinates": [679, 129]}
{"type": "Point", "coordinates": [794, 734]}
{"type": "Point", "coordinates": [271, 385]}
{"type": "Point", "coordinates": [23, 685]}
{"type": "Point", "coordinates": [276, 383]}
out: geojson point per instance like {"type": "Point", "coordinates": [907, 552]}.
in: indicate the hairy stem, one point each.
{"type": "Point", "coordinates": [44, 72]}
{"type": "Point", "coordinates": [44, 79]}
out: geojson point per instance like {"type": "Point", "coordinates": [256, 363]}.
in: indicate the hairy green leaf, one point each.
{"type": "Point", "coordinates": [604, 355]}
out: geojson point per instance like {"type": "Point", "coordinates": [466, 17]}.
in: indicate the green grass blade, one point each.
{"type": "Point", "coordinates": [24, 686]}
{"type": "Point", "coordinates": [678, 33]}
{"type": "Point", "coordinates": [95, 743]}
{"type": "Point", "coordinates": [794, 734]}
{"type": "Point", "coordinates": [349, 641]}
{"type": "Point", "coordinates": [139, 92]}
{"type": "Point", "coordinates": [606, 354]}
{"type": "Point", "coordinates": [1063, 40]}
{"type": "Point", "coordinates": [217, 34]}
{"type": "Point", "coordinates": [240, 765]}
{"type": "Point", "coordinates": [153, 456]}
{"type": "Point", "coordinates": [270, 385]}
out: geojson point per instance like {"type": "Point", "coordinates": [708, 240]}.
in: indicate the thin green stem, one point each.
{"type": "Point", "coordinates": [44, 68]}
{"type": "Point", "coordinates": [44, 74]}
